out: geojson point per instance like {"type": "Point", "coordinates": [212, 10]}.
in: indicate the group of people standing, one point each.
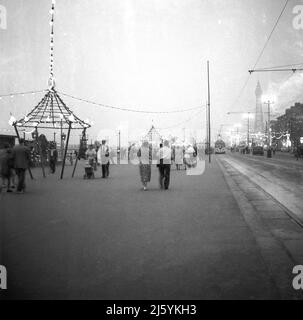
{"type": "Point", "coordinates": [15, 161]}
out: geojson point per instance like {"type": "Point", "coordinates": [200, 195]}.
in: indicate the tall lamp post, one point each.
{"type": "Point", "coordinates": [119, 146]}
{"type": "Point", "coordinates": [238, 126]}
{"type": "Point", "coordinates": [268, 103]}
{"type": "Point", "coordinates": [248, 116]}
{"type": "Point", "coordinates": [268, 100]}
{"type": "Point", "coordinates": [208, 114]}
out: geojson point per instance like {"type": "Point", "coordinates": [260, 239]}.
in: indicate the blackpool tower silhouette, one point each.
{"type": "Point", "coordinates": [259, 123]}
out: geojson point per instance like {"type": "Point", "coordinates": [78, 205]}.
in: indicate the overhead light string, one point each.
{"type": "Point", "coordinates": [128, 109]}
{"type": "Point", "coordinates": [13, 95]}
{"type": "Point", "coordinates": [51, 83]}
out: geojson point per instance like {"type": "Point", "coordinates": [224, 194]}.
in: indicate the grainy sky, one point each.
{"type": "Point", "coordinates": [151, 55]}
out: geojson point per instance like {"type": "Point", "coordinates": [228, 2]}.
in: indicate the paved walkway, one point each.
{"type": "Point", "coordinates": [107, 239]}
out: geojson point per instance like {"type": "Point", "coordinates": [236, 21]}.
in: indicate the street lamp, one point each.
{"type": "Point", "coordinates": [119, 145]}
{"type": "Point", "coordinates": [71, 118]}
{"type": "Point", "coordinates": [248, 116]}
{"type": "Point", "coordinates": [237, 126]}
{"type": "Point", "coordinates": [268, 100]}
{"type": "Point", "coordinates": [12, 120]}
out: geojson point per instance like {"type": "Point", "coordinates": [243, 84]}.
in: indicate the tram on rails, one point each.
{"type": "Point", "coordinates": [220, 147]}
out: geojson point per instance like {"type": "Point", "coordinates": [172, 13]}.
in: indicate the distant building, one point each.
{"type": "Point", "coordinates": [289, 125]}
{"type": "Point", "coordinates": [6, 138]}
{"type": "Point", "coordinates": [259, 121]}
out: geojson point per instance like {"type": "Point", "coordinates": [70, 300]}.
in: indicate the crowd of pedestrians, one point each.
{"type": "Point", "coordinates": [15, 161]}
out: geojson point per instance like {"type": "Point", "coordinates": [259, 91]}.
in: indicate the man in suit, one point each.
{"type": "Point", "coordinates": [21, 157]}
{"type": "Point", "coordinates": [52, 156]}
{"type": "Point", "coordinates": [165, 156]}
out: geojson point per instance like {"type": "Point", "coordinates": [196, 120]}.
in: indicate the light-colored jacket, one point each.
{"type": "Point", "coordinates": [165, 155]}
{"type": "Point", "coordinates": [90, 154]}
{"type": "Point", "coordinates": [103, 154]}
{"type": "Point", "coordinates": [144, 155]}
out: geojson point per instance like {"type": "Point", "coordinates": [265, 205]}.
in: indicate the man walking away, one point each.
{"type": "Point", "coordinates": [103, 155]}
{"type": "Point", "coordinates": [21, 156]}
{"type": "Point", "coordinates": [53, 156]}
{"type": "Point", "coordinates": [165, 156]}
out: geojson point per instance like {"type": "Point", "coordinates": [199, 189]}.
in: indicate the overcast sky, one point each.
{"type": "Point", "coordinates": [151, 55]}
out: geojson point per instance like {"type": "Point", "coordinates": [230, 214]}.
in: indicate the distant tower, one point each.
{"type": "Point", "coordinates": [259, 123]}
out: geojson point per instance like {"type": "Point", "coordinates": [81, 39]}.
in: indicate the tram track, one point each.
{"type": "Point", "coordinates": [256, 178]}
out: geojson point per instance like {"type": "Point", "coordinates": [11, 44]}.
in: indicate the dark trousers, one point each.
{"type": "Point", "coordinates": [164, 175]}
{"type": "Point", "coordinates": [52, 165]}
{"type": "Point", "coordinates": [105, 170]}
{"type": "Point", "coordinates": [20, 172]}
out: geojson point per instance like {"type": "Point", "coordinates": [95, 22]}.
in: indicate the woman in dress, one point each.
{"type": "Point", "coordinates": [179, 156]}
{"type": "Point", "coordinates": [144, 155]}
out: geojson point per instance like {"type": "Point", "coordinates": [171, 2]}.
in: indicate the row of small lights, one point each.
{"type": "Point", "coordinates": [18, 94]}
{"type": "Point", "coordinates": [12, 121]}
{"type": "Point", "coordinates": [51, 67]}
{"type": "Point", "coordinates": [71, 119]}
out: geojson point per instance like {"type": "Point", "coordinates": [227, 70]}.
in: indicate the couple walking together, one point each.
{"type": "Point", "coordinates": [100, 156]}
{"type": "Point", "coordinates": [15, 160]}
{"type": "Point", "coordinates": [164, 160]}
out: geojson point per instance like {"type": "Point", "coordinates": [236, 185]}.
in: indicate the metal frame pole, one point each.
{"type": "Point", "coordinates": [248, 130]}
{"type": "Point", "coordinates": [119, 146]}
{"type": "Point", "coordinates": [267, 132]}
{"type": "Point", "coordinates": [209, 132]}
{"type": "Point", "coordinates": [65, 152]}
{"type": "Point", "coordinates": [18, 136]}
{"type": "Point", "coordinates": [61, 139]}
{"type": "Point", "coordinates": [17, 133]}
{"type": "Point", "coordinates": [40, 152]}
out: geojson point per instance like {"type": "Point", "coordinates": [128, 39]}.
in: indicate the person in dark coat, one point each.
{"type": "Point", "coordinates": [7, 167]}
{"type": "Point", "coordinates": [21, 157]}
{"type": "Point", "coordinates": [52, 156]}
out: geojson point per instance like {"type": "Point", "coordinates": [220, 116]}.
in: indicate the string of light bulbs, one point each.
{"type": "Point", "coordinates": [128, 109]}
{"type": "Point", "coordinates": [51, 57]}
{"type": "Point", "coordinates": [52, 80]}
{"type": "Point", "coordinates": [12, 95]}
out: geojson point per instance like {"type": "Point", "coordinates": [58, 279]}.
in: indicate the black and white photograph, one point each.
{"type": "Point", "coordinates": [151, 150]}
